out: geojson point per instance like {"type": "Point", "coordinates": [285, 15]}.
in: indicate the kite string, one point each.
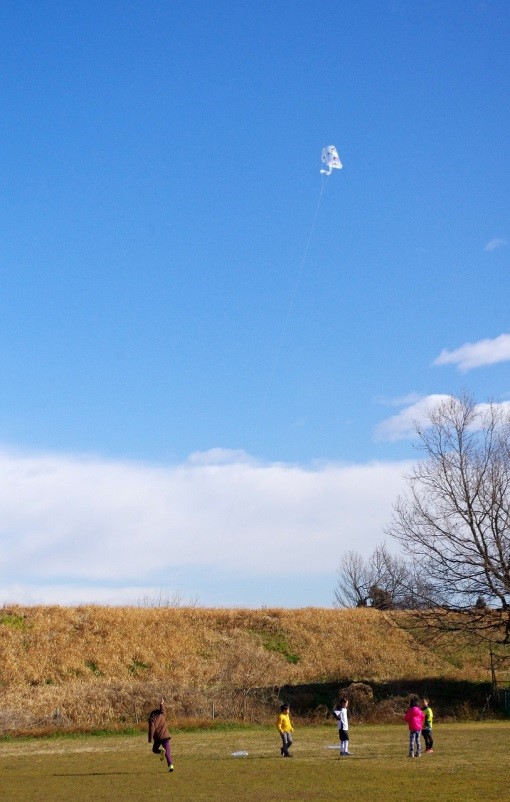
{"type": "Point", "coordinates": [276, 359]}
{"type": "Point", "coordinates": [294, 294]}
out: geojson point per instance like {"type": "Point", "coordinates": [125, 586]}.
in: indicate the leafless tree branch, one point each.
{"type": "Point", "coordinates": [453, 522]}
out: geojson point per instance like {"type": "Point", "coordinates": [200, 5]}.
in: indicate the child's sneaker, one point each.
{"type": "Point", "coordinates": [171, 767]}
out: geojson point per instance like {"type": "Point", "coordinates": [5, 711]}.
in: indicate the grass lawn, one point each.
{"type": "Point", "coordinates": [470, 762]}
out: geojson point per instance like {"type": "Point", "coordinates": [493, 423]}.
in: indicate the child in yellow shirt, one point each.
{"type": "Point", "coordinates": [285, 728]}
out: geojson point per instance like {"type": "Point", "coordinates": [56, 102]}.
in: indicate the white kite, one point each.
{"type": "Point", "coordinates": [331, 159]}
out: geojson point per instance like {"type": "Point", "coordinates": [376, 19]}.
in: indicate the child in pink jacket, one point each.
{"type": "Point", "coordinates": [414, 718]}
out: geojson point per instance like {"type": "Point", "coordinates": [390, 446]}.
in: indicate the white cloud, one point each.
{"type": "Point", "coordinates": [73, 594]}
{"type": "Point", "coordinates": [475, 355]}
{"type": "Point", "coordinates": [400, 401]}
{"type": "Point", "coordinates": [495, 243]}
{"type": "Point", "coordinates": [89, 529]}
{"type": "Point", "coordinates": [218, 456]}
{"type": "Point", "coordinates": [482, 409]}
{"type": "Point", "coordinates": [402, 425]}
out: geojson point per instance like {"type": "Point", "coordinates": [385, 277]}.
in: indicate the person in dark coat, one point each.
{"type": "Point", "coordinates": [159, 735]}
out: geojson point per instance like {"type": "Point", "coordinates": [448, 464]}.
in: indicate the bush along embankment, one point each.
{"type": "Point", "coordinates": [386, 702]}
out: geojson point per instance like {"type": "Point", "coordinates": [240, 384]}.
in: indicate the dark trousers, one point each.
{"type": "Point", "coordinates": [165, 743]}
{"type": "Point", "coordinates": [429, 741]}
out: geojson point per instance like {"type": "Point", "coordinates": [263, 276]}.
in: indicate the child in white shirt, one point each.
{"type": "Point", "coordinates": [340, 713]}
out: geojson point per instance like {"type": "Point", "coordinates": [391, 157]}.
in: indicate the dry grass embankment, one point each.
{"type": "Point", "coordinates": [94, 666]}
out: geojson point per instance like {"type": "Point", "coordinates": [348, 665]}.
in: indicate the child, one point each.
{"type": "Point", "coordinates": [427, 725]}
{"type": "Point", "coordinates": [340, 713]}
{"type": "Point", "coordinates": [158, 733]}
{"type": "Point", "coordinates": [285, 728]}
{"type": "Point", "coordinates": [414, 718]}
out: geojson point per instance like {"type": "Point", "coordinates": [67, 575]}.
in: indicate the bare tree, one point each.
{"type": "Point", "coordinates": [165, 598]}
{"type": "Point", "coordinates": [354, 580]}
{"type": "Point", "coordinates": [454, 520]}
{"type": "Point", "coordinates": [383, 580]}
{"type": "Point", "coordinates": [392, 580]}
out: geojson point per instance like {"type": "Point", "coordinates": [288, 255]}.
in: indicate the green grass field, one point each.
{"type": "Point", "coordinates": [470, 762]}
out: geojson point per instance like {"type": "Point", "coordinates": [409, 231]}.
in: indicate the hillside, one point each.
{"type": "Point", "coordinates": [85, 664]}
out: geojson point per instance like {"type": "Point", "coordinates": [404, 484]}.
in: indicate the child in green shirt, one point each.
{"type": "Point", "coordinates": [427, 725]}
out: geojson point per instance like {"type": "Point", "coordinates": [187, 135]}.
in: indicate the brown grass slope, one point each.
{"type": "Point", "coordinates": [97, 664]}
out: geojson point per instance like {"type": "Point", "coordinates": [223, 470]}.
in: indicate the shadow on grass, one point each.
{"type": "Point", "coordinates": [101, 773]}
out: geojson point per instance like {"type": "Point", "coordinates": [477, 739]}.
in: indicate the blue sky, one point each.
{"type": "Point", "coordinates": [189, 308]}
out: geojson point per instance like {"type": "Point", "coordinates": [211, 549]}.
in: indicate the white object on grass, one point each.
{"type": "Point", "coordinates": [239, 754]}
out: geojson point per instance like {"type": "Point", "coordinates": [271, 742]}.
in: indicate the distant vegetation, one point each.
{"type": "Point", "coordinates": [453, 525]}
{"type": "Point", "coordinates": [98, 666]}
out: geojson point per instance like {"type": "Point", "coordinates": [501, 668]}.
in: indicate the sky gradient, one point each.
{"type": "Point", "coordinates": [211, 355]}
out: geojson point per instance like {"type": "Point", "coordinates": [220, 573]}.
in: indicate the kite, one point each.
{"type": "Point", "coordinates": [331, 159]}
